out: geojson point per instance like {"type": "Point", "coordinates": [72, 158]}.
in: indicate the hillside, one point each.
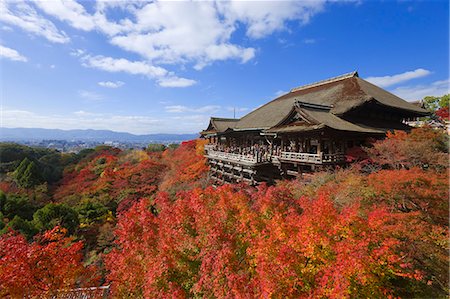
{"type": "Point", "coordinates": [149, 224]}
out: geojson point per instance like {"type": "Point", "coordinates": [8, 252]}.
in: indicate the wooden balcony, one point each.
{"type": "Point", "coordinates": [283, 157]}
{"type": "Point", "coordinates": [311, 158]}
{"type": "Point", "coordinates": [209, 147]}
{"type": "Point", "coordinates": [231, 157]}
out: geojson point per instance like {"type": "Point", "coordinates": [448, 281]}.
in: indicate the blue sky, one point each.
{"type": "Point", "coordinates": [166, 67]}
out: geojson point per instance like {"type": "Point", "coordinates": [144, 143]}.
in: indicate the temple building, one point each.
{"type": "Point", "coordinates": [309, 128]}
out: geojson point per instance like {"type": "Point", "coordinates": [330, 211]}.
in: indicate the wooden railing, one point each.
{"type": "Point", "coordinates": [301, 157]}
{"type": "Point", "coordinates": [286, 156]}
{"type": "Point", "coordinates": [312, 158]}
{"type": "Point", "coordinates": [209, 147]}
{"type": "Point", "coordinates": [339, 157]}
{"type": "Point", "coordinates": [232, 156]}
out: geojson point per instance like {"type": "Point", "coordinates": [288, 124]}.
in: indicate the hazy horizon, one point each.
{"type": "Point", "coordinates": [120, 132]}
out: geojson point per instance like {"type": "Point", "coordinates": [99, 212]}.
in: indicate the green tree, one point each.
{"type": "Point", "coordinates": [14, 205]}
{"type": "Point", "coordinates": [90, 211]}
{"type": "Point", "coordinates": [20, 170]}
{"type": "Point", "coordinates": [2, 223]}
{"type": "Point", "coordinates": [27, 174]}
{"type": "Point", "coordinates": [52, 215]}
{"type": "Point", "coordinates": [435, 103]}
{"type": "Point", "coordinates": [31, 176]}
{"type": "Point", "coordinates": [25, 227]}
{"type": "Point", "coordinates": [173, 146]}
{"type": "Point", "coordinates": [51, 167]}
{"type": "Point", "coordinates": [156, 147]}
{"type": "Point", "coordinates": [3, 200]}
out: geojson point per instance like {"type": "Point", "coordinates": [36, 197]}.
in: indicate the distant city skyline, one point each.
{"type": "Point", "coordinates": [166, 67]}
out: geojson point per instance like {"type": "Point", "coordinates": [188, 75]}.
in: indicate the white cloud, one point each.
{"type": "Point", "coordinates": [86, 113]}
{"type": "Point", "coordinates": [264, 17]}
{"type": "Point", "coordinates": [197, 33]}
{"type": "Point", "coordinates": [90, 95]}
{"type": "Point", "coordinates": [109, 64]}
{"type": "Point", "coordinates": [158, 30]}
{"type": "Point", "coordinates": [77, 52]}
{"type": "Point", "coordinates": [386, 81]}
{"type": "Point", "coordinates": [161, 30]}
{"type": "Point", "coordinates": [175, 82]}
{"type": "Point", "coordinates": [70, 11]}
{"type": "Point", "coordinates": [75, 14]}
{"type": "Point", "coordinates": [11, 54]}
{"type": "Point", "coordinates": [24, 16]}
{"type": "Point", "coordinates": [113, 65]}
{"type": "Point", "coordinates": [182, 109]}
{"type": "Point", "coordinates": [110, 84]}
{"type": "Point", "coordinates": [418, 92]}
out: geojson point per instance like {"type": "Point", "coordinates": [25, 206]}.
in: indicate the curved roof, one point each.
{"type": "Point", "coordinates": [342, 93]}
{"type": "Point", "coordinates": [314, 117]}
{"type": "Point", "coordinates": [218, 124]}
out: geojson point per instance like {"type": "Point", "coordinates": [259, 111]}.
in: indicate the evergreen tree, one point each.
{"type": "Point", "coordinates": [27, 174]}
{"type": "Point", "coordinates": [56, 215]}
{"type": "Point", "coordinates": [20, 170]}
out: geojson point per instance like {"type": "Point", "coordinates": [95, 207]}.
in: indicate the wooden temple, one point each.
{"type": "Point", "coordinates": [309, 128]}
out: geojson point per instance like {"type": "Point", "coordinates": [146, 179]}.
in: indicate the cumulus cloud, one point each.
{"type": "Point", "coordinates": [264, 17]}
{"type": "Point", "coordinates": [386, 81]}
{"type": "Point", "coordinates": [11, 54]}
{"type": "Point", "coordinates": [197, 33]}
{"type": "Point", "coordinates": [114, 65]}
{"type": "Point", "coordinates": [24, 16]}
{"type": "Point", "coordinates": [111, 84]}
{"type": "Point", "coordinates": [418, 92]}
{"type": "Point", "coordinates": [76, 15]}
{"type": "Point", "coordinates": [174, 81]}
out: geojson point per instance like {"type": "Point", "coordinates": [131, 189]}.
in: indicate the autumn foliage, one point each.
{"type": "Point", "coordinates": [343, 234]}
{"type": "Point", "coordinates": [234, 242]}
{"type": "Point", "coordinates": [111, 177]}
{"type": "Point", "coordinates": [186, 167]}
{"type": "Point", "coordinates": [424, 148]}
{"type": "Point", "coordinates": [377, 229]}
{"type": "Point", "coordinates": [53, 262]}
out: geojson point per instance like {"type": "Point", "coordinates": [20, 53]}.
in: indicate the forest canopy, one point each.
{"type": "Point", "coordinates": [148, 223]}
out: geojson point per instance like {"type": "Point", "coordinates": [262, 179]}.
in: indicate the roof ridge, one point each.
{"type": "Point", "coordinates": [326, 81]}
{"type": "Point", "coordinates": [224, 118]}
{"type": "Point", "coordinates": [301, 104]}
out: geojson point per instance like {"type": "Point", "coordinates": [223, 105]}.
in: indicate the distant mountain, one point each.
{"type": "Point", "coordinates": [34, 134]}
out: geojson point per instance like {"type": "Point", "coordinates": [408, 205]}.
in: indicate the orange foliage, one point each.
{"type": "Point", "coordinates": [186, 166]}
{"type": "Point", "coordinates": [413, 190]}
{"type": "Point", "coordinates": [423, 147]}
{"type": "Point", "coordinates": [112, 178]}
{"type": "Point", "coordinates": [236, 242]}
{"type": "Point", "coordinates": [41, 268]}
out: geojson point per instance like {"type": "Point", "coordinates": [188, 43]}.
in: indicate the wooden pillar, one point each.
{"type": "Point", "coordinates": [299, 171]}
